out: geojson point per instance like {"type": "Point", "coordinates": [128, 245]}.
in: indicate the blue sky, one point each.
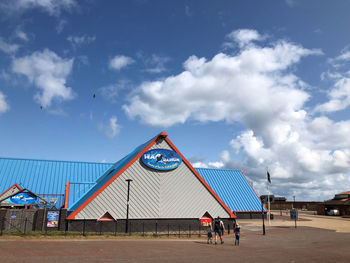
{"type": "Point", "coordinates": [235, 84]}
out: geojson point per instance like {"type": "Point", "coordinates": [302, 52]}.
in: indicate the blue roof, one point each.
{"type": "Point", "coordinates": [48, 178]}
{"type": "Point", "coordinates": [232, 188]}
{"type": "Point", "coordinates": [104, 178]}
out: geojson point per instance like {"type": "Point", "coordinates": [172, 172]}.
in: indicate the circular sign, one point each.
{"type": "Point", "coordinates": [161, 159]}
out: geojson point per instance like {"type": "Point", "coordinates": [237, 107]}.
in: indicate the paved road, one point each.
{"type": "Point", "coordinates": [279, 245]}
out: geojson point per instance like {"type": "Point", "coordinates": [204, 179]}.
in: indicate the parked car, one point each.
{"type": "Point", "coordinates": [333, 212]}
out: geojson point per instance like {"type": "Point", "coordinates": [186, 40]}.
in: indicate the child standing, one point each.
{"type": "Point", "coordinates": [210, 234]}
{"type": "Point", "coordinates": [237, 234]}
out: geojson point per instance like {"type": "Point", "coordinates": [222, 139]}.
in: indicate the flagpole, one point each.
{"type": "Point", "coordinates": [268, 203]}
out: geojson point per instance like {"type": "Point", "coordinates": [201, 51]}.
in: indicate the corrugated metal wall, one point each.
{"type": "Point", "coordinates": [47, 177]}
{"type": "Point", "coordinates": [154, 194]}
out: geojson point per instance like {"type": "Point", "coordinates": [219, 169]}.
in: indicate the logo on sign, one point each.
{"type": "Point", "coordinates": [23, 199]}
{"type": "Point", "coordinates": [161, 159]}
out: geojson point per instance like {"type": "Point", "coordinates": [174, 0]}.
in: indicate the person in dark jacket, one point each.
{"type": "Point", "coordinates": [237, 234]}
{"type": "Point", "coordinates": [219, 229]}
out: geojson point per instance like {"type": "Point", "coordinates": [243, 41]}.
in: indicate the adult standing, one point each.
{"type": "Point", "coordinates": [219, 229]}
{"type": "Point", "coordinates": [237, 234]}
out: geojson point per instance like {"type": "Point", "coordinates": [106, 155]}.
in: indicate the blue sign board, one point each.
{"type": "Point", "coordinates": [22, 199]}
{"type": "Point", "coordinates": [161, 159]}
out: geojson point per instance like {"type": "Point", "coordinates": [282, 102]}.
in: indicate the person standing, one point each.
{"type": "Point", "coordinates": [210, 235]}
{"type": "Point", "coordinates": [219, 229]}
{"type": "Point", "coordinates": [237, 234]}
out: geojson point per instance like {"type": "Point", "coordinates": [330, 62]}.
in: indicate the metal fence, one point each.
{"type": "Point", "coordinates": [28, 226]}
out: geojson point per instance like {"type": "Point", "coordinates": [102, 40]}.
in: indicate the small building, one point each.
{"type": "Point", "coordinates": [273, 199]}
{"type": "Point", "coordinates": [339, 205]}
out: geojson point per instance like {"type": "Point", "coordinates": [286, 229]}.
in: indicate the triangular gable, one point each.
{"type": "Point", "coordinates": [200, 178]}
{"type": "Point", "coordinates": [12, 190]}
{"type": "Point", "coordinates": [106, 217]}
{"type": "Point", "coordinates": [24, 190]}
{"type": "Point", "coordinates": [108, 177]}
{"type": "Point", "coordinates": [126, 162]}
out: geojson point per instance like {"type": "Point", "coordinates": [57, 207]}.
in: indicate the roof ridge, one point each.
{"type": "Point", "coordinates": [220, 169]}
{"type": "Point", "coordinates": [46, 160]}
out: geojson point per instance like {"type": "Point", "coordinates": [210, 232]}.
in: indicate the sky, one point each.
{"type": "Point", "coordinates": [250, 85]}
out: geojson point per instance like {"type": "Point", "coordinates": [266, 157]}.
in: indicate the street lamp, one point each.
{"type": "Point", "coordinates": [295, 212]}
{"type": "Point", "coordinates": [127, 207]}
{"type": "Point", "coordinates": [262, 214]}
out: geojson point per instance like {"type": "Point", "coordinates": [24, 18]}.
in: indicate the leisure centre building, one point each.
{"type": "Point", "coordinates": [164, 186]}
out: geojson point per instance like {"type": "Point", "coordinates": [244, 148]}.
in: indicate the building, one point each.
{"type": "Point", "coordinates": [339, 205]}
{"type": "Point", "coordinates": [164, 186]}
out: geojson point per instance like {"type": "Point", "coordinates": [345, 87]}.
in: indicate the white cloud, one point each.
{"type": "Point", "coordinates": [254, 80]}
{"type": "Point", "coordinates": [244, 37]}
{"type": "Point", "coordinates": [120, 61]}
{"type": "Point", "coordinates": [339, 97]}
{"type": "Point", "coordinates": [111, 92]}
{"type": "Point", "coordinates": [256, 87]}
{"type": "Point", "coordinates": [344, 56]}
{"type": "Point", "coordinates": [21, 34]}
{"type": "Point", "coordinates": [8, 48]}
{"type": "Point", "coordinates": [49, 73]}
{"type": "Point", "coordinates": [339, 94]}
{"type": "Point", "coordinates": [60, 25]}
{"type": "Point", "coordinates": [214, 165]}
{"type": "Point", "coordinates": [156, 64]}
{"type": "Point", "coordinates": [111, 129]}
{"type": "Point", "coordinates": [52, 7]}
{"type": "Point", "coordinates": [3, 104]}
{"type": "Point", "coordinates": [79, 40]}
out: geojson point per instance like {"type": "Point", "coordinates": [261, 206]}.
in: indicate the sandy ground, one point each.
{"type": "Point", "coordinates": [306, 219]}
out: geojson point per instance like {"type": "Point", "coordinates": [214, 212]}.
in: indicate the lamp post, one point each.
{"type": "Point", "coordinates": [262, 214]}
{"type": "Point", "coordinates": [127, 207]}
{"type": "Point", "coordinates": [295, 212]}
